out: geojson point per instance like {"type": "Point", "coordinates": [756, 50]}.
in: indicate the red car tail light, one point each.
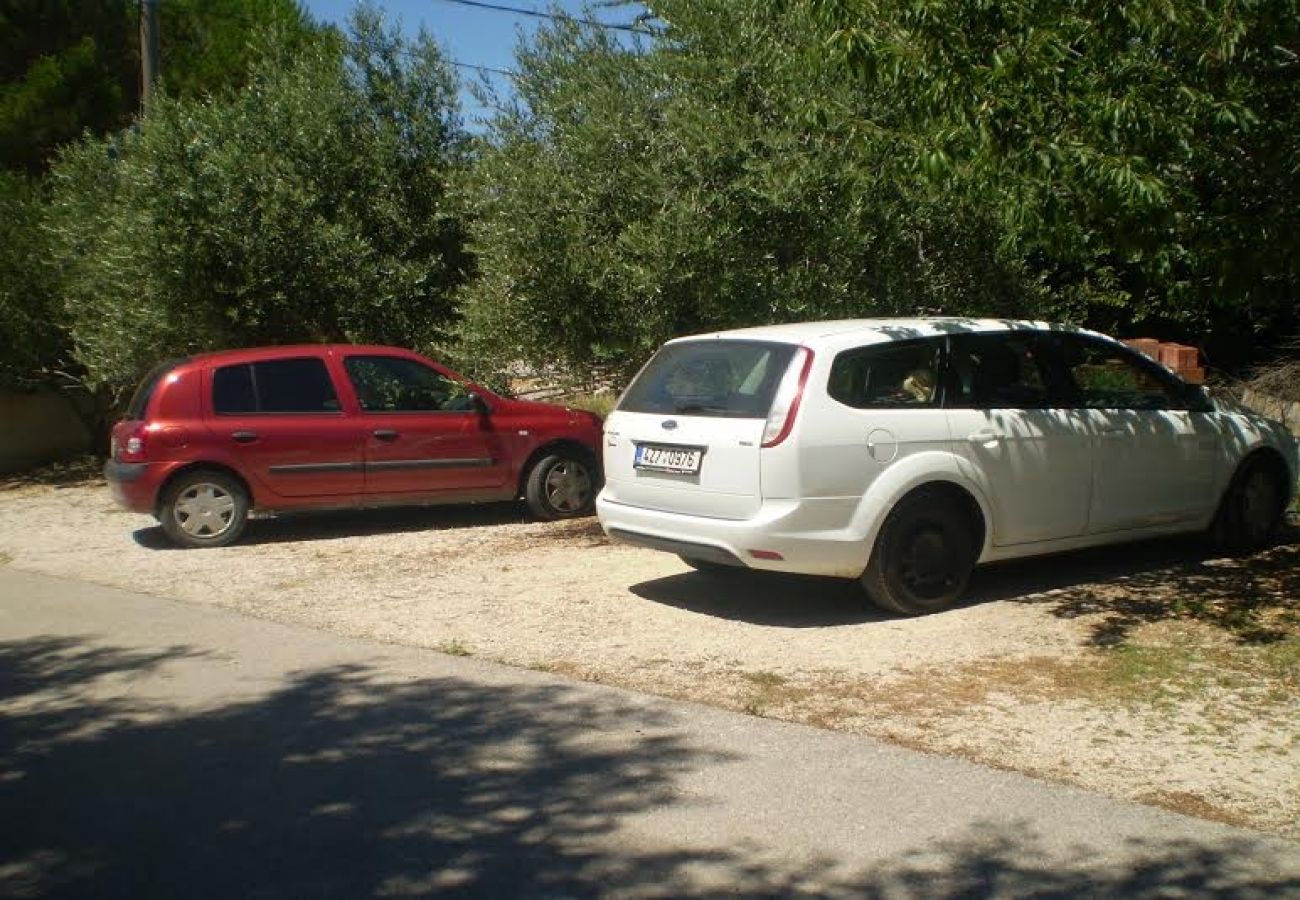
{"type": "Point", "coordinates": [785, 405]}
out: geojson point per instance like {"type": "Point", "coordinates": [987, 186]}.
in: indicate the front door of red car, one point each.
{"type": "Point", "coordinates": [423, 432]}
{"type": "Point", "coordinates": [281, 423]}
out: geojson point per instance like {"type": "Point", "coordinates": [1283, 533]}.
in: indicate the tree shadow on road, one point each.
{"type": "Point", "coordinates": [340, 783]}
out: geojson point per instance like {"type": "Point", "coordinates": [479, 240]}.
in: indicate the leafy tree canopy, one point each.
{"type": "Point", "coordinates": [67, 66]}
{"type": "Point", "coordinates": [1122, 165]}
{"type": "Point", "coordinates": [309, 205]}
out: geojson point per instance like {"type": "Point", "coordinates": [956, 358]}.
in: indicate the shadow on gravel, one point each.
{"type": "Point", "coordinates": [344, 523]}
{"type": "Point", "coordinates": [339, 784]}
{"type": "Point", "coordinates": [1256, 598]}
{"type": "Point", "coordinates": [764, 598]}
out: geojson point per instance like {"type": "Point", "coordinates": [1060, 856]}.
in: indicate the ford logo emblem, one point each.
{"type": "Point", "coordinates": [669, 424]}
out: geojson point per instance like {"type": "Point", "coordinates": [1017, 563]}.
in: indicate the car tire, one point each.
{"type": "Point", "coordinates": [204, 508]}
{"type": "Point", "coordinates": [562, 485]}
{"type": "Point", "coordinates": [923, 556]}
{"type": "Point", "coordinates": [709, 567]}
{"type": "Point", "coordinates": [1252, 510]}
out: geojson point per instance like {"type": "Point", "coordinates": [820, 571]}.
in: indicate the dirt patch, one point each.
{"type": "Point", "coordinates": [1146, 672]}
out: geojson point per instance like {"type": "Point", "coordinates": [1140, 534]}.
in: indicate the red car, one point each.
{"type": "Point", "coordinates": [208, 438]}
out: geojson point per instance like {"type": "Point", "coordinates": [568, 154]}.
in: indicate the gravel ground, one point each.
{"type": "Point", "coordinates": [1104, 669]}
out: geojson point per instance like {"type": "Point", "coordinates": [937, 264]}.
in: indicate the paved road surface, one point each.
{"type": "Point", "coordinates": [154, 749]}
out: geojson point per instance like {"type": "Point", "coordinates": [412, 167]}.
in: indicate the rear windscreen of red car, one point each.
{"type": "Point", "coordinates": [274, 386]}
{"type": "Point", "coordinates": [140, 399]}
{"type": "Point", "coordinates": [728, 379]}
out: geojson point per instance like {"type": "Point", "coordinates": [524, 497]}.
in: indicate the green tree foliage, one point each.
{"type": "Point", "coordinates": [30, 337]}
{"type": "Point", "coordinates": [68, 66]}
{"type": "Point", "coordinates": [1130, 166]}
{"type": "Point", "coordinates": [715, 177]}
{"type": "Point", "coordinates": [308, 206]}
{"type": "Point", "coordinates": [1140, 155]}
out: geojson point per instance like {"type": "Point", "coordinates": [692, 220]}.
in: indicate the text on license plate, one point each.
{"type": "Point", "coordinates": [668, 459]}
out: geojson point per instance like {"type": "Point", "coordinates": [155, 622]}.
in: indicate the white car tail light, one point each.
{"type": "Point", "coordinates": [785, 405]}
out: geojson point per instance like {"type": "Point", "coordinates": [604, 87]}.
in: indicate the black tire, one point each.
{"type": "Point", "coordinates": [923, 556]}
{"type": "Point", "coordinates": [709, 567]}
{"type": "Point", "coordinates": [204, 508]}
{"type": "Point", "coordinates": [1252, 510]}
{"type": "Point", "coordinates": [562, 485]}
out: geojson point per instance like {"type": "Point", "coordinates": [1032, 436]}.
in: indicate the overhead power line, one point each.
{"type": "Point", "coordinates": [465, 65]}
{"type": "Point", "coordinates": [634, 28]}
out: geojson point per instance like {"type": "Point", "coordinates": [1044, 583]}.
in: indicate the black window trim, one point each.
{"type": "Point", "coordinates": [257, 396]}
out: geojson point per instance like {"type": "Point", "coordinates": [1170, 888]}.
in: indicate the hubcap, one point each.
{"type": "Point", "coordinates": [204, 510]}
{"type": "Point", "coordinates": [568, 486]}
{"type": "Point", "coordinates": [926, 563]}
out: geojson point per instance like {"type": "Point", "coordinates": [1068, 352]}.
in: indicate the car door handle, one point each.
{"type": "Point", "coordinates": [385, 434]}
{"type": "Point", "coordinates": [1112, 432]}
{"type": "Point", "coordinates": [244, 437]}
{"type": "Point", "coordinates": [984, 438]}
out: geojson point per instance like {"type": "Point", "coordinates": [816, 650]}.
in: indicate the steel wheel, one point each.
{"type": "Point", "coordinates": [568, 486]}
{"type": "Point", "coordinates": [1260, 501]}
{"type": "Point", "coordinates": [562, 485]}
{"type": "Point", "coordinates": [204, 508]}
{"type": "Point", "coordinates": [204, 511]}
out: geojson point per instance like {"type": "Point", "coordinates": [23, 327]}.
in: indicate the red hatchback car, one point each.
{"type": "Point", "coordinates": [208, 438]}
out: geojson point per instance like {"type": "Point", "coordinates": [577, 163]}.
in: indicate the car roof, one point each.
{"type": "Point", "coordinates": [846, 332]}
{"type": "Point", "coordinates": [290, 351]}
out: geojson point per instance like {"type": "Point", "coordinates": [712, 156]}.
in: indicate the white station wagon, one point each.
{"type": "Point", "coordinates": [903, 452]}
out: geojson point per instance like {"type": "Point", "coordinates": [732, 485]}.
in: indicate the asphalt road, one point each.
{"type": "Point", "coordinates": [154, 749]}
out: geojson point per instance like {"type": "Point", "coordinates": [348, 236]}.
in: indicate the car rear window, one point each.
{"type": "Point", "coordinates": [144, 393]}
{"type": "Point", "coordinates": [726, 379]}
{"type": "Point", "coordinates": [275, 386]}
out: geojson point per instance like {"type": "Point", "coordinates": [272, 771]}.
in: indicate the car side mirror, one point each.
{"type": "Point", "coordinates": [478, 404]}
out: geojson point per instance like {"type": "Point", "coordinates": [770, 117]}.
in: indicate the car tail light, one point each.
{"type": "Point", "coordinates": [785, 405]}
{"type": "Point", "coordinates": [132, 446]}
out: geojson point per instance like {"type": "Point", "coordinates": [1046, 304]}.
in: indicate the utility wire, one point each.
{"type": "Point", "coordinates": [634, 28]}
{"type": "Point", "coordinates": [465, 65]}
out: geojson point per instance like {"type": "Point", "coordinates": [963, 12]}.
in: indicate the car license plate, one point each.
{"type": "Point", "coordinates": [682, 460]}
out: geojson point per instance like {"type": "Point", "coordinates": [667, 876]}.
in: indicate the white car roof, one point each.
{"type": "Point", "coordinates": [847, 332]}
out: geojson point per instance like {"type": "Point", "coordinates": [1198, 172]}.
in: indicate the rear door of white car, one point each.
{"type": "Point", "coordinates": [1029, 452]}
{"type": "Point", "coordinates": [687, 435]}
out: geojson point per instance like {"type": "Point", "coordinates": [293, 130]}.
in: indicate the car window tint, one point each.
{"type": "Point", "coordinates": [1107, 377]}
{"type": "Point", "coordinates": [294, 386]}
{"type": "Point", "coordinates": [396, 384]}
{"type": "Point", "coordinates": [1001, 371]}
{"type": "Point", "coordinates": [897, 374]}
{"type": "Point", "coordinates": [275, 386]}
{"type": "Point", "coordinates": [144, 393]}
{"type": "Point", "coordinates": [725, 379]}
{"type": "Point", "coordinates": [232, 390]}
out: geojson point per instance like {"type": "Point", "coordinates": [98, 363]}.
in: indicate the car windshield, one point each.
{"type": "Point", "coordinates": [728, 379]}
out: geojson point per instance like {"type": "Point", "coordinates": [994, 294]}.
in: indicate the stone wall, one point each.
{"type": "Point", "coordinates": [1285, 411]}
{"type": "Point", "coordinates": [38, 427]}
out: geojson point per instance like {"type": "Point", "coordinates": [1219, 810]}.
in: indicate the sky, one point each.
{"type": "Point", "coordinates": [471, 36]}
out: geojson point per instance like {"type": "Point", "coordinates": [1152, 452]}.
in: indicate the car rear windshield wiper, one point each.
{"type": "Point", "coordinates": [699, 407]}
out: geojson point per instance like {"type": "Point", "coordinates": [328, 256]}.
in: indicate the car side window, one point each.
{"type": "Point", "coordinates": [1107, 377]}
{"type": "Point", "coordinates": [895, 374]}
{"type": "Point", "coordinates": [284, 386]}
{"type": "Point", "coordinates": [396, 384]}
{"type": "Point", "coordinates": [1005, 370]}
